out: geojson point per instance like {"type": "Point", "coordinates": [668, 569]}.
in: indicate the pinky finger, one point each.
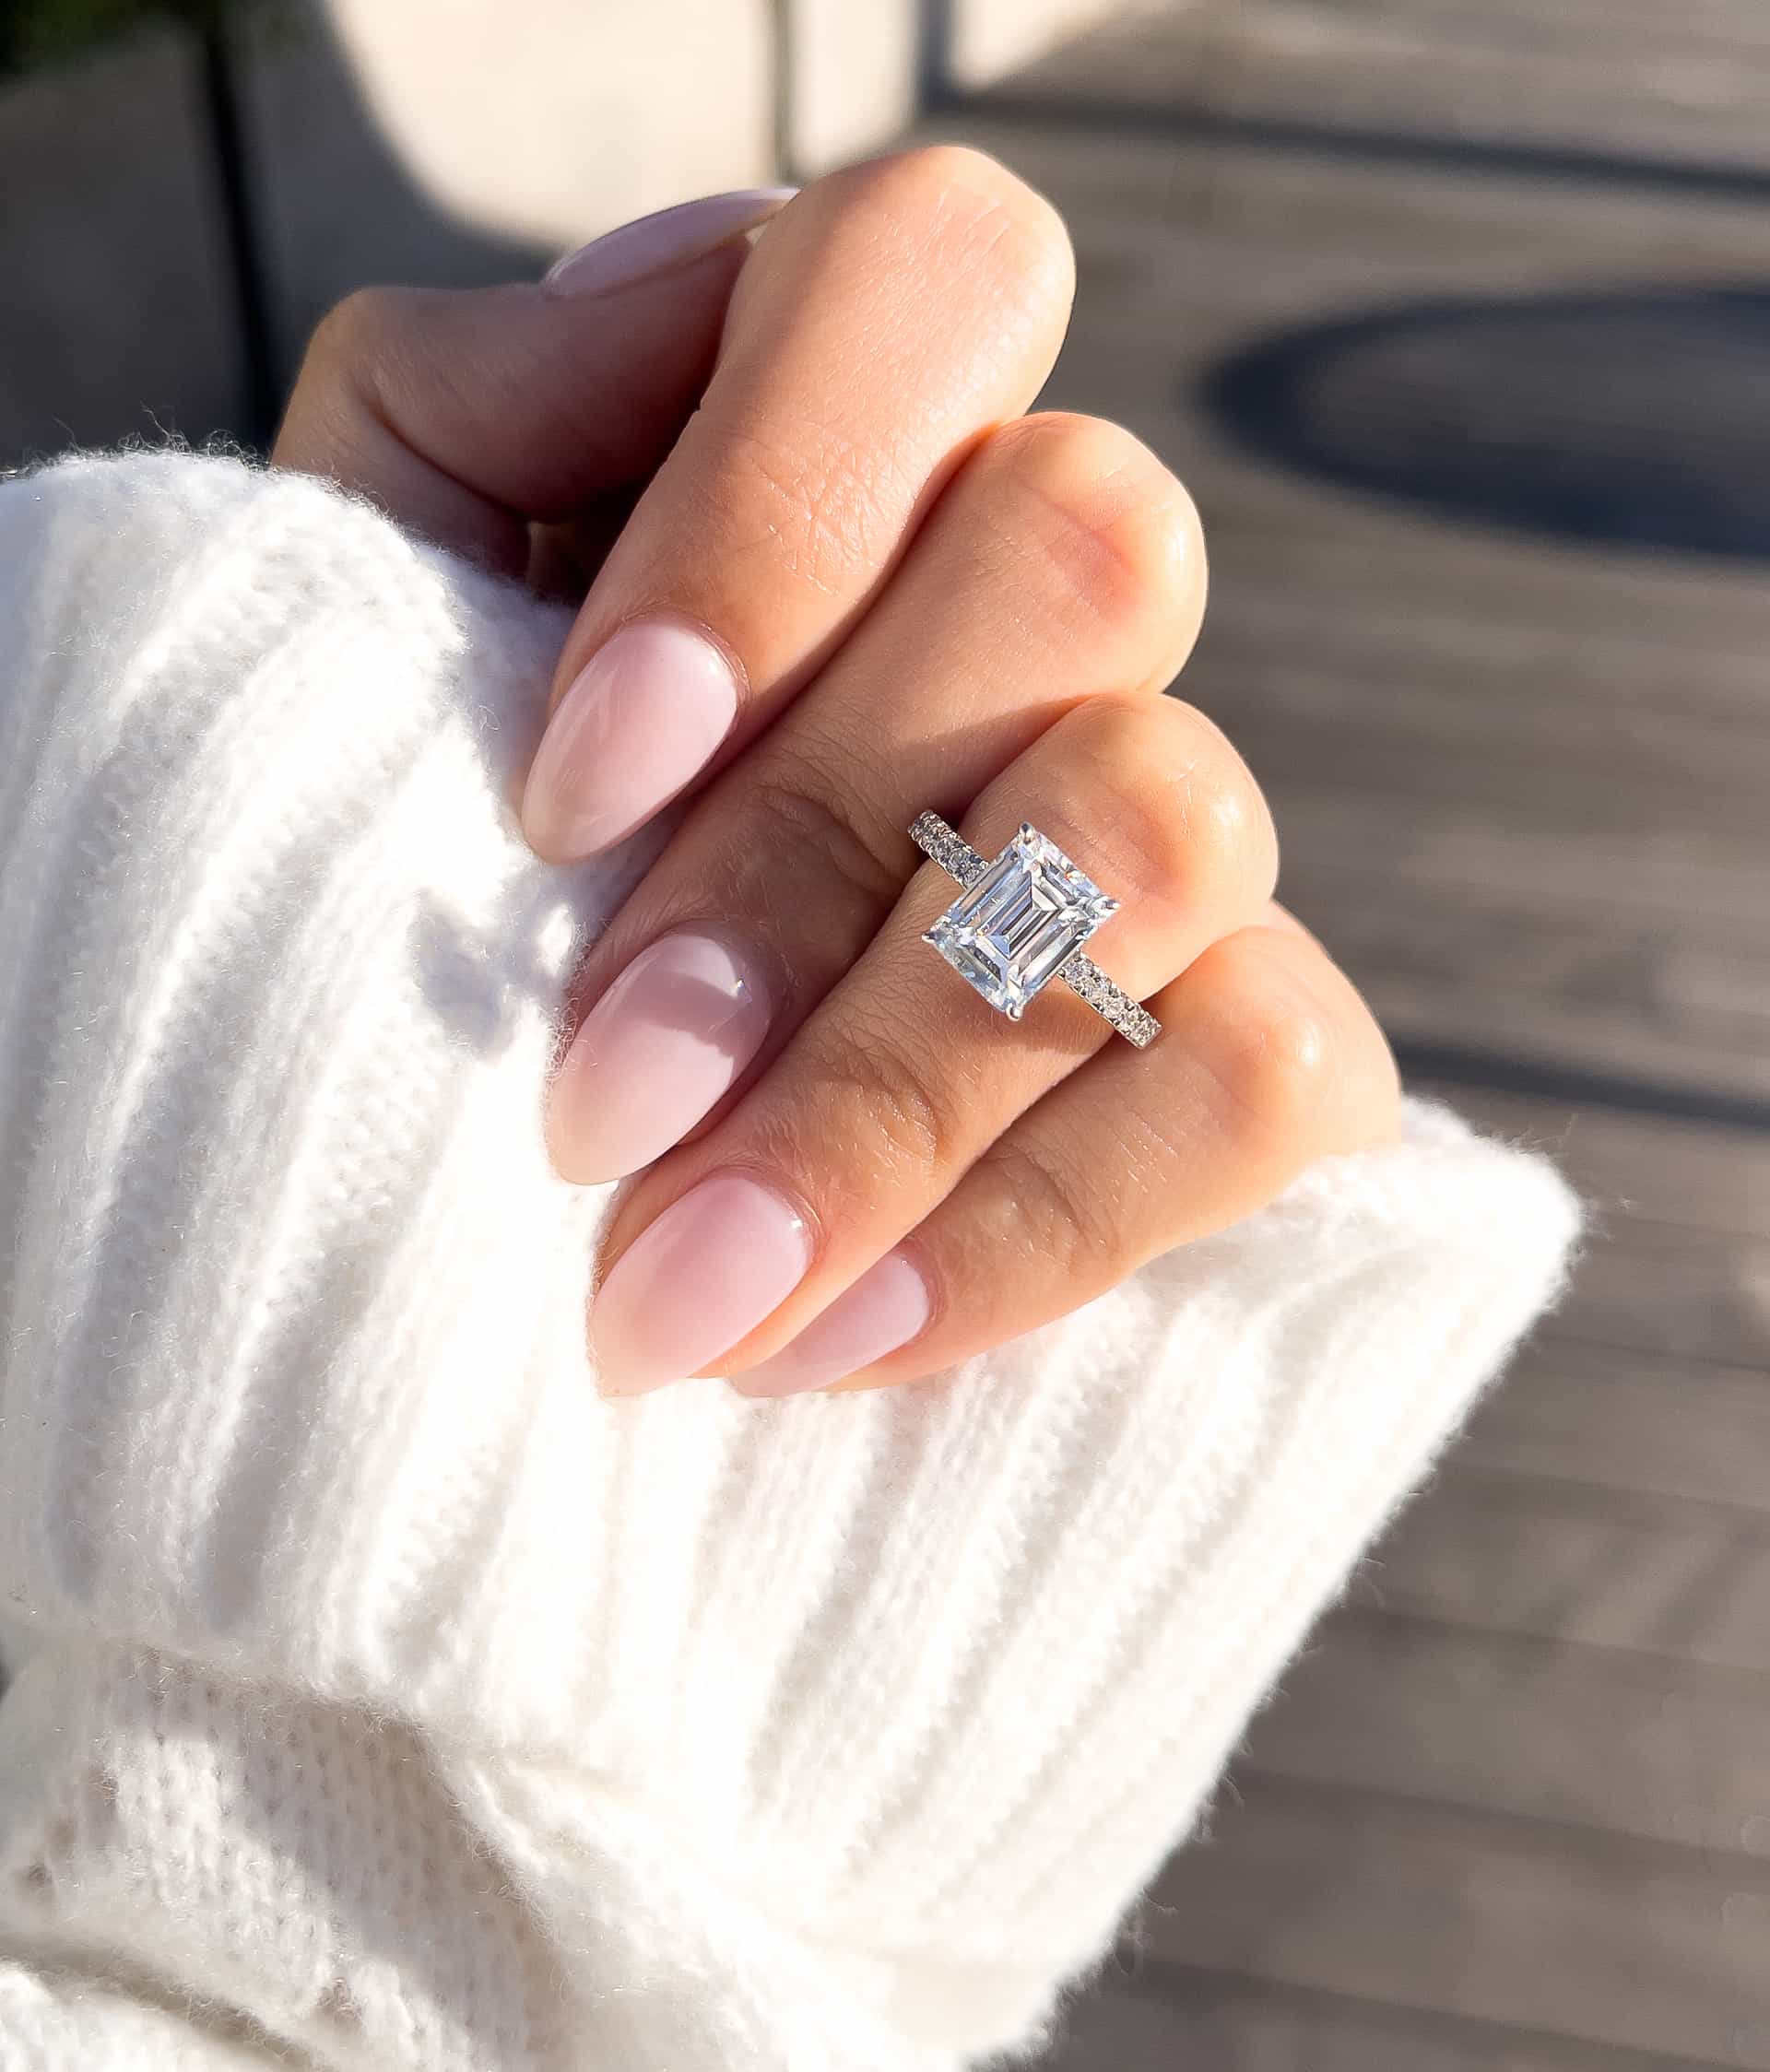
{"type": "Point", "coordinates": [1269, 1060]}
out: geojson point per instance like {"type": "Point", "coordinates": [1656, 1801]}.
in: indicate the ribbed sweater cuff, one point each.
{"type": "Point", "coordinates": [295, 1383]}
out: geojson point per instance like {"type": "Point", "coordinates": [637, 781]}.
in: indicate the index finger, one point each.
{"type": "Point", "coordinates": [891, 315]}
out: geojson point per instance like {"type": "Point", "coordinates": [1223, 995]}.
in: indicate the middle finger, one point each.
{"type": "Point", "coordinates": [903, 1076]}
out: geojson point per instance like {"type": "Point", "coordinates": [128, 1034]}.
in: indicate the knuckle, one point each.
{"type": "Point", "coordinates": [1228, 827]}
{"type": "Point", "coordinates": [808, 837]}
{"type": "Point", "coordinates": [1279, 1054]}
{"type": "Point", "coordinates": [357, 329]}
{"type": "Point", "coordinates": [876, 1088]}
{"type": "Point", "coordinates": [370, 348]}
{"type": "Point", "coordinates": [952, 263]}
{"type": "Point", "coordinates": [1110, 521]}
{"type": "Point", "coordinates": [1058, 1218]}
{"type": "Point", "coordinates": [1194, 825]}
{"type": "Point", "coordinates": [980, 214]}
{"type": "Point", "coordinates": [1359, 1091]}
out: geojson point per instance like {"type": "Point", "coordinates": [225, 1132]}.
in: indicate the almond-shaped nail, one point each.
{"type": "Point", "coordinates": [660, 242]}
{"type": "Point", "coordinates": [637, 724]}
{"type": "Point", "coordinates": [884, 1308]}
{"type": "Point", "coordinates": [701, 1276]}
{"type": "Point", "coordinates": [655, 1054]}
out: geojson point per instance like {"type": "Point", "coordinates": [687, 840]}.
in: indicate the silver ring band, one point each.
{"type": "Point", "coordinates": [1036, 879]}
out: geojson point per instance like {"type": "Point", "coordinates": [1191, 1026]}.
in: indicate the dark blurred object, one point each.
{"type": "Point", "coordinates": [186, 197]}
{"type": "Point", "coordinates": [50, 31]}
{"type": "Point", "coordinates": [1632, 419]}
{"type": "Point", "coordinates": [43, 31]}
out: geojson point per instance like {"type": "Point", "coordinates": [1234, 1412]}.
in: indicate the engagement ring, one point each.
{"type": "Point", "coordinates": [1020, 921]}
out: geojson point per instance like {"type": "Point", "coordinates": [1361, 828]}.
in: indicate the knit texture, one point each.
{"type": "Point", "coordinates": [384, 1696]}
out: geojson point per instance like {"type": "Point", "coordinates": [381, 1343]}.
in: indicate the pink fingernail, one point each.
{"type": "Point", "coordinates": [673, 237]}
{"type": "Point", "coordinates": [703, 1275]}
{"type": "Point", "coordinates": [639, 722]}
{"type": "Point", "coordinates": [654, 1056]}
{"type": "Point", "coordinates": [885, 1309]}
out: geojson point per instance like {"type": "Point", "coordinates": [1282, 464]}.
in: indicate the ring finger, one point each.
{"type": "Point", "coordinates": [903, 1076]}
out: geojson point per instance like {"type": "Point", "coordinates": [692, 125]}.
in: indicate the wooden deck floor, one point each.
{"type": "Point", "coordinates": [1513, 1807]}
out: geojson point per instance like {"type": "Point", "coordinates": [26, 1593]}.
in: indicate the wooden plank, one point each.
{"type": "Point", "coordinates": [1159, 2016]}
{"type": "Point", "coordinates": [1687, 83]}
{"type": "Point", "coordinates": [1685, 1582]}
{"type": "Point", "coordinates": [1169, 226]}
{"type": "Point", "coordinates": [1604, 1942]}
{"type": "Point", "coordinates": [1616, 1417]}
{"type": "Point", "coordinates": [1649, 1005]}
{"type": "Point", "coordinates": [1664, 1288]}
{"type": "Point", "coordinates": [1677, 1262]}
{"type": "Point", "coordinates": [1628, 1744]}
{"type": "Point", "coordinates": [1679, 1173]}
{"type": "Point", "coordinates": [1568, 970]}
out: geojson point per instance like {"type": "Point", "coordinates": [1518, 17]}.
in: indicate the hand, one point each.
{"type": "Point", "coordinates": [857, 582]}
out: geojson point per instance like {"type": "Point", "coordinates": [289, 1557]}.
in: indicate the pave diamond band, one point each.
{"type": "Point", "coordinates": [1021, 920]}
{"type": "Point", "coordinates": [1134, 1023]}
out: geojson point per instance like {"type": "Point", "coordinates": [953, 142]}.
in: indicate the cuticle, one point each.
{"type": "Point", "coordinates": [817, 1236]}
{"type": "Point", "coordinates": [762, 967]}
{"type": "Point", "coordinates": [918, 1258]}
{"type": "Point", "coordinates": [654, 614]}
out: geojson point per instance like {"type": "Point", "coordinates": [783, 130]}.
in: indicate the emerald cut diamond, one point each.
{"type": "Point", "coordinates": [1013, 930]}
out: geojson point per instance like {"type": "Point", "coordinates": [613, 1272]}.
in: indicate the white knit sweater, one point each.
{"type": "Point", "coordinates": [381, 1697]}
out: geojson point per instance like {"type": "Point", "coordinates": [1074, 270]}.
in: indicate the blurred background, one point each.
{"type": "Point", "coordinates": [1455, 314]}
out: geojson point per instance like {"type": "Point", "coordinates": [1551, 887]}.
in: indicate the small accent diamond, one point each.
{"type": "Point", "coordinates": [1135, 1023]}
{"type": "Point", "coordinates": [951, 852]}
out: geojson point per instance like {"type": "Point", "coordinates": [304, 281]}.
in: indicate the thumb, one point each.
{"type": "Point", "coordinates": [466, 414]}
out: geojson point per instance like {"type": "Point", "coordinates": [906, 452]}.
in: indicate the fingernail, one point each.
{"type": "Point", "coordinates": [639, 720]}
{"type": "Point", "coordinates": [670, 238]}
{"type": "Point", "coordinates": [703, 1275]}
{"type": "Point", "coordinates": [885, 1309]}
{"type": "Point", "coordinates": [654, 1056]}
